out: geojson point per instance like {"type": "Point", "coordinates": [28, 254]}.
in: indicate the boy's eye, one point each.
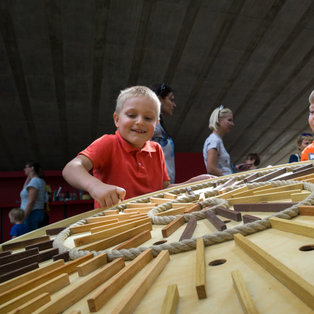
{"type": "Point", "coordinates": [311, 112]}
{"type": "Point", "coordinates": [131, 115]}
{"type": "Point", "coordinates": [148, 118]}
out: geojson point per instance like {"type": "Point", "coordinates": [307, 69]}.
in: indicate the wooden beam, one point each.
{"type": "Point", "coordinates": [159, 200]}
{"type": "Point", "coordinates": [200, 275]}
{"type": "Point", "coordinates": [249, 218]}
{"type": "Point", "coordinates": [270, 176]}
{"type": "Point", "coordinates": [189, 229]}
{"type": "Point", "coordinates": [306, 210]}
{"type": "Point", "coordinates": [215, 221]}
{"type": "Point", "coordinates": [19, 271]}
{"type": "Point", "coordinates": [92, 264]}
{"type": "Point", "coordinates": [17, 256]}
{"type": "Point", "coordinates": [170, 196]}
{"type": "Point", "coordinates": [22, 244]}
{"type": "Point", "coordinates": [135, 241]}
{"type": "Point", "coordinates": [195, 208]}
{"type": "Point", "coordinates": [139, 205]}
{"type": "Point", "coordinates": [34, 304]}
{"type": "Point", "coordinates": [87, 227]}
{"type": "Point", "coordinates": [298, 197]}
{"type": "Point", "coordinates": [243, 293]}
{"type": "Point", "coordinates": [291, 226]}
{"type": "Point", "coordinates": [172, 226]}
{"type": "Point", "coordinates": [297, 186]}
{"type": "Point", "coordinates": [300, 287]}
{"type": "Point", "coordinates": [170, 303]}
{"type": "Point", "coordinates": [100, 297]}
{"type": "Point", "coordinates": [172, 212]}
{"type": "Point", "coordinates": [136, 293]}
{"type": "Point", "coordinates": [228, 213]}
{"type": "Point", "coordinates": [262, 207]}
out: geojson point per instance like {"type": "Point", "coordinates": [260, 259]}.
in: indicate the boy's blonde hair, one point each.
{"type": "Point", "coordinates": [304, 136]}
{"type": "Point", "coordinates": [311, 98]}
{"type": "Point", "coordinates": [136, 91]}
{"type": "Point", "coordinates": [16, 214]}
{"type": "Point", "coordinates": [218, 113]}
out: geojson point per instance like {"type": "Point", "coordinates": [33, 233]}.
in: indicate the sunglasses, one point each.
{"type": "Point", "coordinates": [306, 134]}
{"type": "Point", "coordinates": [161, 88]}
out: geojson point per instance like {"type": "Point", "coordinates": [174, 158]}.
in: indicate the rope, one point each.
{"type": "Point", "coordinates": [190, 244]}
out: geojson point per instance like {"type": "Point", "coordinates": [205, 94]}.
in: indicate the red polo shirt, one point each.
{"type": "Point", "coordinates": [116, 162]}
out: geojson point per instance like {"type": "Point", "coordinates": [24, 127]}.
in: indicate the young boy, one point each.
{"type": "Point", "coordinates": [308, 152]}
{"type": "Point", "coordinates": [304, 140]}
{"type": "Point", "coordinates": [126, 164]}
{"type": "Point", "coordinates": [16, 216]}
{"type": "Point", "coordinates": [251, 162]}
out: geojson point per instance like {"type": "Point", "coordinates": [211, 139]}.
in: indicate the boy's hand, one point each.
{"type": "Point", "coordinates": [108, 195]}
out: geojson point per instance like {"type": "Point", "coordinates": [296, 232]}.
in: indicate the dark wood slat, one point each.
{"type": "Point", "coordinates": [262, 207]}
{"type": "Point", "coordinates": [250, 178]}
{"type": "Point", "coordinates": [298, 174]}
{"type": "Point", "coordinates": [302, 168]}
{"type": "Point", "coordinates": [249, 218]}
{"type": "Point", "coordinates": [189, 229]}
{"type": "Point", "coordinates": [228, 213]}
{"type": "Point", "coordinates": [5, 268]}
{"type": "Point", "coordinates": [17, 256]}
{"type": "Point", "coordinates": [44, 256]}
{"type": "Point", "coordinates": [65, 256]}
{"type": "Point", "coordinates": [6, 253]}
{"type": "Point", "coordinates": [40, 246]}
{"type": "Point", "coordinates": [54, 231]}
{"type": "Point", "coordinates": [270, 176]}
{"type": "Point", "coordinates": [23, 244]}
{"type": "Point", "coordinates": [18, 272]}
{"type": "Point", "coordinates": [215, 221]}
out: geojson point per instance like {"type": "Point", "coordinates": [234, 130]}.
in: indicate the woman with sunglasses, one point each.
{"type": "Point", "coordinates": [216, 158]}
{"type": "Point", "coordinates": [161, 136]}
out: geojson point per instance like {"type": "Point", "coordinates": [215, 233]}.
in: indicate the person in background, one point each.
{"type": "Point", "coordinates": [304, 140]}
{"type": "Point", "coordinates": [33, 196]}
{"type": "Point", "coordinates": [216, 158]}
{"type": "Point", "coordinates": [251, 162]}
{"type": "Point", "coordinates": [166, 96]}
{"type": "Point", "coordinates": [308, 152]}
{"type": "Point", "coordinates": [16, 216]}
{"type": "Point", "coordinates": [125, 164]}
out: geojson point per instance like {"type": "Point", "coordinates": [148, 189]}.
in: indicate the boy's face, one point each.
{"type": "Point", "coordinates": [311, 116]}
{"type": "Point", "coordinates": [305, 143]}
{"type": "Point", "coordinates": [137, 120]}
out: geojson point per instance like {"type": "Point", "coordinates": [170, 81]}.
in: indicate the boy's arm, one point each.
{"type": "Point", "coordinates": [76, 173]}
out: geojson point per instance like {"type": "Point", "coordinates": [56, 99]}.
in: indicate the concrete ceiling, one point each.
{"type": "Point", "coordinates": [63, 62]}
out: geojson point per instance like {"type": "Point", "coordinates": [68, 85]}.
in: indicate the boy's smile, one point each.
{"type": "Point", "coordinates": [137, 120]}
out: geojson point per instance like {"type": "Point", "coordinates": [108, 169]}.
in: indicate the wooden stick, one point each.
{"type": "Point", "coordinates": [25, 286]}
{"type": "Point", "coordinates": [135, 241]}
{"type": "Point", "coordinates": [5, 268]}
{"type": "Point", "coordinates": [170, 195]}
{"type": "Point", "coordinates": [54, 231]}
{"type": "Point", "coordinates": [295, 227]}
{"type": "Point", "coordinates": [159, 200]}
{"type": "Point", "coordinates": [22, 244]}
{"type": "Point", "coordinates": [139, 210]}
{"type": "Point", "coordinates": [300, 287]}
{"type": "Point", "coordinates": [172, 212]}
{"type": "Point", "coordinates": [270, 176]}
{"type": "Point", "coordinates": [92, 264]}
{"type": "Point", "coordinates": [189, 229]}
{"type": "Point", "coordinates": [249, 218]}
{"type": "Point", "coordinates": [138, 205]}
{"type": "Point", "coordinates": [17, 272]}
{"type": "Point", "coordinates": [243, 293]}
{"type": "Point", "coordinates": [298, 174]}
{"type": "Point", "coordinates": [116, 239]}
{"type": "Point", "coordinates": [65, 256]}
{"type": "Point", "coordinates": [262, 207]}
{"type": "Point", "coordinates": [229, 194]}
{"type": "Point", "coordinates": [29, 276]}
{"type": "Point", "coordinates": [228, 213]}
{"type": "Point", "coordinates": [81, 288]}
{"type": "Point", "coordinates": [297, 186]}
{"type": "Point", "coordinates": [47, 254]}
{"type": "Point", "coordinates": [215, 221]}
{"type": "Point", "coordinates": [171, 300]}
{"type": "Point", "coordinates": [50, 286]}
{"type": "Point", "coordinates": [15, 257]}
{"type": "Point", "coordinates": [297, 169]}
{"type": "Point", "coordinates": [252, 190]}
{"type": "Point", "coordinates": [34, 304]}
{"type": "Point", "coordinates": [200, 276]}
{"type": "Point", "coordinates": [194, 208]}
{"type": "Point", "coordinates": [185, 205]}
{"type": "Point", "coordinates": [112, 286]}
{"type": "Point", "coordinates": [87, 227]}
{"type": "Point", "coordinates": [136, 293]}
{"type": "Point", "coordinates": [40, 246]}
{"type": "Point", "coordinates": [172, 226]}
{"type": "Point", "coordinates": [306, 210]}
{"type": "Point", "coordinates": [298, 197]}
{"type": "Point", "coordinates": [110, 232]}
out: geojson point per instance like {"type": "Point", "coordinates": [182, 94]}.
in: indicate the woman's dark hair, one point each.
{"type": "Point", "coordinates": [255, 157]}
{"type": "Point", "coordinates": [37, 168]}
{"type": "Point", "coordinates": [161, 90]}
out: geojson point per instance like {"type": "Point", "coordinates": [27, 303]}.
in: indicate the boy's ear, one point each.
{"type": "Point", "coordinates": [116, 119]}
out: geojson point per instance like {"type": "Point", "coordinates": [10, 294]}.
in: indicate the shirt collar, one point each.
{"type": "Point", "coordinates": [148, 147]}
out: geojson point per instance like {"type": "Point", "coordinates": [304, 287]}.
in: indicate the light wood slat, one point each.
{"type": "Point", "coordinates": [159, 200]}
{"type": "Point", "coordinates": [262, 197]}
{"type": "Point", "coordinates": [135, 241]}
{"type": "Point", "coordinates": [116, 239]}
{"type": "Point", "coordinates": [92, 264]}
{"type": "Point", "coordinates": [138, 210]}
{"type": "Point", "coordinates": [306, 210]}
{"type": "Point", "coordinates": [172, 226]}
{"type": "Point", "coordinates": [87, 227]}
{"type": "Point", "coordinates": [99, 297]}
{"type": "Point", "coordinates": [81, 288]}
{"type": "Point", "coordinates": [295, 227]}
{"type": "Point", "coordinates": [120, 217]}
{"type": "Point", "coordinates": [243, 293]}
{"type": "Point", "coordinates": [300, 287]}
{"type": "Point", "coordinates": [109, 212]}
{"type": "Point", "coordinates": [171, 300]}
{"type": "Point", "coordinates": [50, 287]}
{"type": "Point", "coordinates": [5, 286]}
{"type": "Point", "coordinates": [229, 194]}
{"type": "Point", "coordinates": [185, 205]}
{"type": "Point", "coordinates": [172, 212]}
{"type": "Point", "coordinates": [132, 299]}
{"type": "Point", "coordinates": [200, 273]}
{"type": "Point", "coordinates": [69, 268]}
{"type": "Point", "coordinates": [289, 187]}
{"type": "Point", "coordinates": [139, 205]}
{"type": "Point", "coordinates": [170, 196]}
{"type": "Point", "coordinates": [109, 233]}
{"type": "Point", "coordinates": [121, 223]}
{"type": "Point", "coordinates": [251, 191]}
{"type": "Point", "coordinates": [195, 208]}
{"type": "Point", "coordinates": [298, 197]}
{"type": "Point", "coordinates": [34, 304]}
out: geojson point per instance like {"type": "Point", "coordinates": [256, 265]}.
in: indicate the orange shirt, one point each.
{"type": "Point", "coordinates": [118, 163]}
{"type": "Point", "coordinates": [308, 153]}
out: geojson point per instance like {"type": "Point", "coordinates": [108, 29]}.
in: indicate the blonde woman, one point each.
{"type": "Point", "coordinates": [216, 158]}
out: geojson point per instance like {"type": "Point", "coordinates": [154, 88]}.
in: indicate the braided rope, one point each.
{"type": "Point", "coordinates": [190, 244]}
